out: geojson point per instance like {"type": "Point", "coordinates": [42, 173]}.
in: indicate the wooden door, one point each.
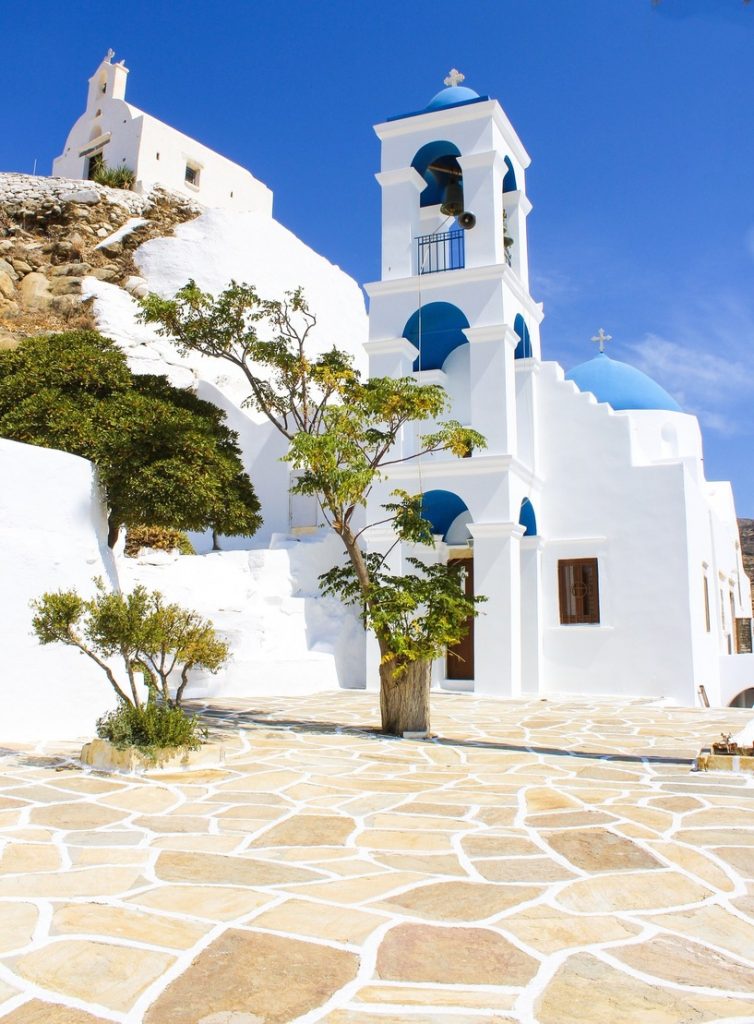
{"type": "Point", "coordinates": [459, 662]}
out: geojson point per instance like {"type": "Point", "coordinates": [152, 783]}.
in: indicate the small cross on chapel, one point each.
{"type": "Point", "coordinates": [601, 338]}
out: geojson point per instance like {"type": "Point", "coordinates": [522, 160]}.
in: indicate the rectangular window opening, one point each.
{"type": "Point", "coordinates": [707, 619]}
{"type": "Point", "coordinates": [578, 582]}
{"type": "Point", "coordinates": [192, 175]}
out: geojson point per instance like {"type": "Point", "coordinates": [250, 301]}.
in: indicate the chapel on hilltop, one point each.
{"type": "Point", "coordinates": [609, 562]}
{"type": "Point", "coordinates": [116, 133]}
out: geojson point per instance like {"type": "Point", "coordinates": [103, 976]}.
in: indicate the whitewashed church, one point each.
{"type": "Point", "coordinates": [609, 562]}
{"type": "Point", "coordinates": [118, 134]}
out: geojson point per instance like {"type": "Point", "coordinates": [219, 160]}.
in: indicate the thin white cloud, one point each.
{"type": "Point", "coordinates": [553, 286]}
{"type": "Point", "coordinates": [705, 362]}
{"type": "Point", "coordinates": [749, 240]}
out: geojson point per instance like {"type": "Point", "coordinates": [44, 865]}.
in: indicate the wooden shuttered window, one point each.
{"type": "Point", "coordinates": [578, 582]}
{"type": "Point", "coordinates": [743, 636]}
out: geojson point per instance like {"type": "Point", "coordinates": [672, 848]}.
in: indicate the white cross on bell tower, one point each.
{"type": "Point", "coordinates": [454, 77]}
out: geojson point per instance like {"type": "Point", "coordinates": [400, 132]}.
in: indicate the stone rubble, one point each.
{"type": "Point", "coordinates": [56, 231]}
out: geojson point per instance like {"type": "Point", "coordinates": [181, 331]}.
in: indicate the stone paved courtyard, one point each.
{"type": "Point", "coordinates": [551, 861]}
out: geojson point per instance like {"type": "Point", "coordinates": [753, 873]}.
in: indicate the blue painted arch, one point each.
{"type": "Point", "coordinates": [509, 181]}
{"type": "Point", "coordinates": [440, 153]}
{"type": "Point", "coordinates": [523, 349]}
{"type": "Point", "coordinates": [436, 329]}
{"type": "Point", "coordinates": [440, 509]}
{"type": "Point", "coordinates": [527, 518]}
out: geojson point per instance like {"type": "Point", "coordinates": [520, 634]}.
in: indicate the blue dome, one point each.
{"type": "Point", "coordinates": [451, 97]}
{"type": "Point", "coordinates": [620, 385]}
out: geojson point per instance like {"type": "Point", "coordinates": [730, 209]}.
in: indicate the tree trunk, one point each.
{"type": "Point", "coordinates": [183, 685]}
{"type": "Point", "coordinates": [404, 702]}
{"type": "Point", "coordinates": [215, 541]}
{"type": "Point", "coordinates": [113, 532]}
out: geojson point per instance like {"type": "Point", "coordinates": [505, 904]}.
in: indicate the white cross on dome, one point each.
{"type": "Point", "coordinates": [454, 77]}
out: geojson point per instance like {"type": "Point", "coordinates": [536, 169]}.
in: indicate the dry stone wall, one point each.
{"type": "Point", "coordinates": [56, 231]}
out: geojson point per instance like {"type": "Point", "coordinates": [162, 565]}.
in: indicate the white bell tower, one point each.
{"type": "Point", "coordinates": [453, 307]}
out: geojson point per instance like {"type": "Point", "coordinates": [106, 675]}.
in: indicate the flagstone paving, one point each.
{"type": "Point", "coordinates": [553, 862]}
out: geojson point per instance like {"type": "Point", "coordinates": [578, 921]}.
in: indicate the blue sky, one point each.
{"type": "Point", "coordinates": [639, 121]}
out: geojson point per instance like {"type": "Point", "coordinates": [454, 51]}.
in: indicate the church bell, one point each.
{"type": "Point", "coordinates": [452, 203]}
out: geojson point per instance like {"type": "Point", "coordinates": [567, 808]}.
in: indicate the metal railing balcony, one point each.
{"type": "Point", "coordinates": [436, 253]}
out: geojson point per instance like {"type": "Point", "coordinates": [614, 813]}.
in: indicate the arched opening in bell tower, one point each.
{"type": "Point", "coordinates": [527, 518]}
{"type": "Point", "coordinates": [437, 162]}
{"type": "Point", "coordinates": [436, 329]}
{"type": "Point", "coordinates": [448, 515]}
{"type": "Point", "coordinates": [523, 348]}
{"type": "Point", "coordinates": [509, 181]}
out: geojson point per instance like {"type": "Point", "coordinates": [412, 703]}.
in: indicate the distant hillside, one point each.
{"type": "Point", "coordinates": [746, 529]}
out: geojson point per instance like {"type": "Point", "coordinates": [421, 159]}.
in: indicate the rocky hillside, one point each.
{"type": "Point", "coordinates": [746, 530]}
{"type": "Point", "coordinates": [54, 231]}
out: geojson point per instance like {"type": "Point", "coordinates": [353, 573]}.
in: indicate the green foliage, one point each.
{"type": "Point", "coordinates": [150, 727]}
{"type": "Point", "coordinates": [418, 614]}
{"type": "Point", "coordinates": [160, 538]}
{"type": "Point", "coordinates": [152, 639]}
{"type": "Point", "coordinates": [57, 615]}
{"type": "Point", "coordinates": [252, 333]}
{"type": "Point", "coordinates": [342, 462]}
{"type": "Point", "coordinates": [165, 457]}
{"type": "Point", "coordinates": [114, 177]}
{"type": "Point", "coordinates": [177, 636]}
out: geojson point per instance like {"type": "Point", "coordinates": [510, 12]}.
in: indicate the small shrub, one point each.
{"type": "Point", "coordinates": [150, 726]}
{"type": "Point", "coordinates": [114, 177]}
{"type": "Point", "coordinates": [151, 638]}
{"type": "Point", "coordinates": [164, 538]}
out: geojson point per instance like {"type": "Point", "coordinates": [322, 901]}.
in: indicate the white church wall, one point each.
{"type": "Point", "coordinates": [660, 436]}
{"type": "Point", "coordinates": [164, 154]}
{"type": "Point", "coordinates": [526, 371]}
{"type": "Point", "coordinates": [637, 599]}
{"type": "Point", "coordinates": [53, 536]}
{"type": "Point", "coordinates": [111, 117]}
{"type": "Point", "coordinates": [458, 384]}
{"type": "Point", "coordinates": [706, 644]}
{"type": "Point", "coordinates": [595, 504]}
{"type": "Point", "coordinates": [736, 675]}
